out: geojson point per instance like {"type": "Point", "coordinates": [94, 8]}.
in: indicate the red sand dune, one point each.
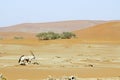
{"type": "Point", "coordinates": [29, 30]}
{"type": "Point", "coordinates": [108, 31]}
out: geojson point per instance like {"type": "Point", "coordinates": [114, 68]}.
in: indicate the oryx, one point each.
{"type": "Point", "coordinates": [23, 60]}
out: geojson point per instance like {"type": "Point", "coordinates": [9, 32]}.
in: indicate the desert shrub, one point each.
{"type": "Point", "coordinates": [1, 38]}
{"type": "Point", "coordinates": [52, 35]}
{"type": "Point", "coordinates": [67, 35]}
{"type": "Point", "coordinates": [18, 37]}
{"type": "Point", "coordinates": [42, 36]}
{"type": "Point", "coordinates": [47, 36]}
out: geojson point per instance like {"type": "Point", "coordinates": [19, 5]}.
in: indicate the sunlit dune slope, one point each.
{"type": "Point", "coordinates": [107, 32]}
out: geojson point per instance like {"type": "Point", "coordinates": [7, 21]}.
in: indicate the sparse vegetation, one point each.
{"type": "Point", "coordinates": [53, 36]}
{"type": "Point", "coordinates": [67, 35]}
{"type": "Point", "coordinates": [18, 37]}
{"type": "Point", "coordinates": [1, 38]}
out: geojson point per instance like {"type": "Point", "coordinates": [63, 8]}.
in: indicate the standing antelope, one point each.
{"type": "Point", "coordinates": [23, 60]}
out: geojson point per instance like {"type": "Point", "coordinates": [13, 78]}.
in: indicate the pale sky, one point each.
{"type": "Point", "coordinates": [26, 11]}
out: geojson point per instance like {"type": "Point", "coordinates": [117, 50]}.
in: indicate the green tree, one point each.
{"type": "Point", "coordinates": [42, 36]}
{"type": "Point", "coordinates": [67, 35]}
{"type": "Point", "coordinates": [52, 35]}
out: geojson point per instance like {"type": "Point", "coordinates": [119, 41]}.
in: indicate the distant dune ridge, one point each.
{"type": "Point", "coordinates": [29, 30]}
{"type": "Point", "coordinates": [84, 29]}
{"type": "Point", "coordinates": [51, 26]}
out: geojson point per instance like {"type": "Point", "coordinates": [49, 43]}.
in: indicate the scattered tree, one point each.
{"type": "Point", "coordinates": [53, 36]}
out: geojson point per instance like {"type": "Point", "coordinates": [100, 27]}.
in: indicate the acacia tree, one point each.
{"type": "Point", "coordinates": [67, 35]}
{"type": "Point", "coordinates": [52, 35]}
{"type": "Point", "coordinates": [42, 36]}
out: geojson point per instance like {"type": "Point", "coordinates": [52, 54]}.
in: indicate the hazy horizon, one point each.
{"type": "Point", "coordinates": [25, 11]}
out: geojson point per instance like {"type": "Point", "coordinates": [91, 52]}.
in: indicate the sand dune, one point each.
{"type": "Point", "coordinates": [51, 26]}
{"type": "Point", "coordinates": [106, 32]}
{"type": "Point", "coordinates": [11, 35]}
{"type": "Point", "coordinates": [64, 57]}
{"type": "Point", "coordinates": [109, 31]}
{"type": "Point", "coordinates": [29, 30]}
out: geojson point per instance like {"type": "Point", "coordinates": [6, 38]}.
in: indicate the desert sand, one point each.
{"type": "Point", "coordinates": [60, 58]}
{"type": "Point", "coordinates": [103, 32]}
{"type": "Point", "coordinates": [93, 55]}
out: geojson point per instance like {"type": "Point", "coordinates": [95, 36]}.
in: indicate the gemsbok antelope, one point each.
{"type": "Point", "coordinates": [23, 60]}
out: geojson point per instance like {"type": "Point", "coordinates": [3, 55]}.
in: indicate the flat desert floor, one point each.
{"type": "Point", "coordinates": [60, 58]}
